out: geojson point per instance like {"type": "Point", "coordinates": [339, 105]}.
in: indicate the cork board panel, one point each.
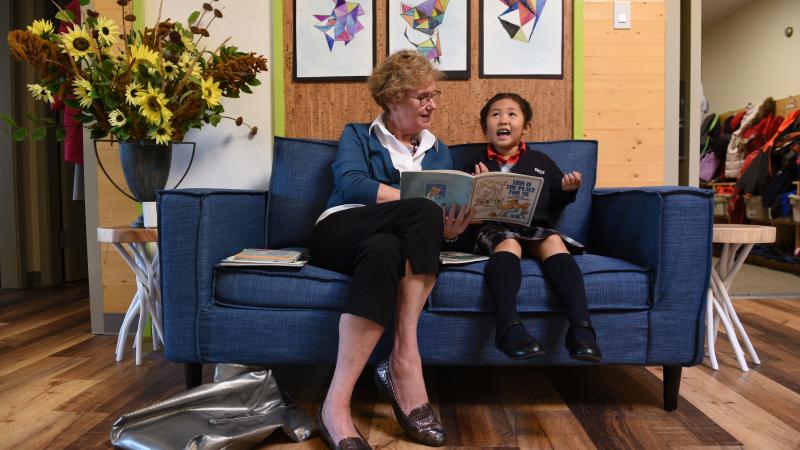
{"type": "Point", "coordinates": [624, 92]}
{"type": "Point", "coordinates": [321, 110]}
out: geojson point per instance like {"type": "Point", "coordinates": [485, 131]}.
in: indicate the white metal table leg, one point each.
{"type": "Point", "coordinates": [140, 329]}
{"type": "Point", "coordinates": [144, 303]}
{"type": "Point", "coordinates": [729, 330]}
{"type": "Point", "coordinates": [726, 301]}
{"type": "Point", "coordinates": [133, 309]}
{"type": "Point", "coordinates": [712, 354]}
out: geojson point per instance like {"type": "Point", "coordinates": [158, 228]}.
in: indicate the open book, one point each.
{"type": "Point", "coordinates": [265, 257]}
{"type": "Point", "coordinates": [496, 196]}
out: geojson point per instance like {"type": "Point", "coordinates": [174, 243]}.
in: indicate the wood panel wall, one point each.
{"type": "Point", "coordinates": [321, 110]}
{"type": "Point", "coordinates": [624, 92]}
{"type": "Point", "coordinates": [118, 282]}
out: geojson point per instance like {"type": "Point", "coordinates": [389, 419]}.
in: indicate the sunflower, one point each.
{"type": "Point", "coordinates": [186, 61]}
{"type": "Point", "coordinates": [40, 92]}
{"type": "Point", "coordinates": [116, 118]}
{"type": "Point", "coordinates": [211, 91]}
{"type": "Point", "coordinates": [132, 93]}
{"type": "Point", "coordinates": [152, 105]}
{"type": "Point", "coordinates": [142, 53]}
{"type": "Point", "coordinates": [188, 43]}
{"type": "Point", "coordinates": [41, 27]}
{"type": "Point", "coordinates": [169, 70]}
{"type": "Point", "coordinates": [107, 30]}
{"type": "Point", "coordinates": [77, 43]}
{"type": "Point", "coordinates": [83, 90]}
{"type": "Point", "coordinates": [162, 134]}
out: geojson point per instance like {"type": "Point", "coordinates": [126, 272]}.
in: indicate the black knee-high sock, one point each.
{"type": "Point", "coordinates": [503, 276]}
{"type": "Point", "coordinates": [566, 280]}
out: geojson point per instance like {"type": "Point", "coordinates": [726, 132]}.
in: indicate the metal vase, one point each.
{"type": "Point", "coordinates": [146, 166]}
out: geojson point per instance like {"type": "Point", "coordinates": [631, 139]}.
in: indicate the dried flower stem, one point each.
{"type": "Point", "coordinates": [158, 23]}
{"type": "Point", "coordinates": [62, 9]}
{"type": "Point", "coordinates": [234, 119]}
{"type": "Point", "coordinates": [125, 32]}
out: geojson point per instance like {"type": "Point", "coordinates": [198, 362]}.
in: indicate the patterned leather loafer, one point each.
{"type": "Point", "coordinates": [421, 424]}
{"type": "Point", "coordinates": [348, 443]}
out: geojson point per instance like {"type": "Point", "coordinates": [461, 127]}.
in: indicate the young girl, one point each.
{"type": "Point", "coordinates": [505, 119]}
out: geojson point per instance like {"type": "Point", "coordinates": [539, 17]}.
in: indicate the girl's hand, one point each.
{"type": "Point", "coordinates": [455, 224]}
{"type": "Point", "coordinates": [571, 182]}
{"type": "Point", "coordinates": [480, 168]}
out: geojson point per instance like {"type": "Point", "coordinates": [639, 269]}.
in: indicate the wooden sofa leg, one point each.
{"type": "Point", "coordinates": [194, 374]}
{"type": "Point", "coordinates": [672, 384]}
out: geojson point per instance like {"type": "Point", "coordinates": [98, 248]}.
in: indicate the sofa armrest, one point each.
{"type": "Point", "coordinates": [669, 230]}
{"type": "Point", "coordinates": [196, 229]}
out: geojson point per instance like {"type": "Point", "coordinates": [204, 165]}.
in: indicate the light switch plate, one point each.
{"type": "Point", "coordinates": [622, 14]}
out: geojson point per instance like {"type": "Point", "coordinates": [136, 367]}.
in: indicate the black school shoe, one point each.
{"type": "Point", "coordinates": [582, 349]}
{"type": "Point", "coordinates": [348, 443]}
{"type": "Point", "coordinates": [525, 349]}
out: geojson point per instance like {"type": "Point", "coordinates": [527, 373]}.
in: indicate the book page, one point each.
{"type": "Point", "coordinates": [444, 187]}
{"type": "Point", "coordinates": [506, 197]}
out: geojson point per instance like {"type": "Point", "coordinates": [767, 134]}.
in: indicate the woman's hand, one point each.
{"type": "Point", "coordinates": [480, 168]}
{"type": "Point", "coordinates": [571, 182]}
{"type": "Point", "coordinates": [455, 224]}
{"type": "Point", "coordinates": [387, 194]}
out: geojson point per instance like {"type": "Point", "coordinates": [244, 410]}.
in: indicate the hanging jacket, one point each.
{"type": "Point", "coordinates": [737, 149]}
{"type": "Point", "coordinates": [734, 156]}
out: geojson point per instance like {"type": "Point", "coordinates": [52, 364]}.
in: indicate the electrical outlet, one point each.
{"type": "Point", "coordinates": [622, 14]}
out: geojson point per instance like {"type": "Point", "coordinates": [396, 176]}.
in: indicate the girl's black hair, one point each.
{"type": "Point", "coordinates": [527, 112]}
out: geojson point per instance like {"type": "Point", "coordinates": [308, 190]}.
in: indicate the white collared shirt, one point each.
{"type": "Point", "coordinates": [400, 152]}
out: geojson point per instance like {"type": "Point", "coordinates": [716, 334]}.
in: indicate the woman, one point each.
{"type": "Point", "coordinates": [389, 246]}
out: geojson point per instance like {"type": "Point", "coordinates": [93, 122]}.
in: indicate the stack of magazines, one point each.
{"type": "Point", "coordinates": [265, 257]}
{"type": "Point", "coordinates": [258, 257]}
{"type": "Point", "coordinates": [448, 258]}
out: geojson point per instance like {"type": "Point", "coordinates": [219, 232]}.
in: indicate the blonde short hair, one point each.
{"type": "Point", "coordinates": [399, 73]}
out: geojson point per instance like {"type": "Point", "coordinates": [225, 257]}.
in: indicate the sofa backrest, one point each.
{"type": "Point", "coordinates": [302, 181]}
{"type": "Point", "coordinates": [569, 155]}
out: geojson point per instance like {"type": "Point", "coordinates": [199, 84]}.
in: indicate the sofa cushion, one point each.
{"type": "Point", "coordinates": [568, 156]}
{"type": "Point", "coordinates": [280, 288]}
{"type": "Point", "coordinates": [300, 184]}
{"type": "Point", "coordinates": [611, 284]}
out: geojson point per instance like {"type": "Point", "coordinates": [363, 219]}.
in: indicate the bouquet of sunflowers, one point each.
{"type": "Point", "coordinates": [153, 84]}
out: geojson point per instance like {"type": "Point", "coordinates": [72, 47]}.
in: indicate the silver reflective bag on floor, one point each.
{"type": "Point", "coordinates": [238, 410]}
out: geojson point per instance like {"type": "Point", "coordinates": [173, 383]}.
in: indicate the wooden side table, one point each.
{"type": "Point", "coordinates": [737, 242]}
{"type": "Point", "coordinates": [131, 244]}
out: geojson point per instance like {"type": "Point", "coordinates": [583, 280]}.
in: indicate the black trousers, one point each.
{"type": "Point", "coordinates": [372, 244]}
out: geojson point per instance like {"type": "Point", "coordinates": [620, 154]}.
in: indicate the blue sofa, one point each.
{"type": "Point", "coordinates": [646, 275]}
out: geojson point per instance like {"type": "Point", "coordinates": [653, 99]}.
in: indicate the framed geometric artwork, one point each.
{"type": "Point", "coordinates": [521, 39]}
{"type": "Point", "coordinates": [334, 40]}
{"type": "Point", "coordinates": [438, 29]}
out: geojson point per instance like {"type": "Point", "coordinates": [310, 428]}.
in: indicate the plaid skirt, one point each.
{"type": "Point", "coordinates": [490, 235]}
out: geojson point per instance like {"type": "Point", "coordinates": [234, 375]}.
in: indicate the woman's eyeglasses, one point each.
{"type": "Point", "coordinates": [424, 99]}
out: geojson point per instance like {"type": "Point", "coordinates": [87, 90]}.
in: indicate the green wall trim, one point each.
{"type": "Point", "coordinates": [138, 11]}
{"type": "Point", "coordinates": [278, 99]}
{"type": "Point", "coordinates": [577, 69]}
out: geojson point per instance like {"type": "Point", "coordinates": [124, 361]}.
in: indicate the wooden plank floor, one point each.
{"type": "Point", "coordinates": [60, 388]}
